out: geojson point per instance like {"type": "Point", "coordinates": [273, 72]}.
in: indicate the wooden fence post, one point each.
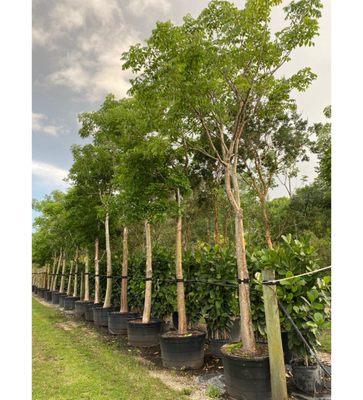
{"type": "Point", "coordinates": [276, 355]}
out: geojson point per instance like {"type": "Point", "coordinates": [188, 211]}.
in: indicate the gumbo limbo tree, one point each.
{"type": "Point", "coordinates": [274, 140]}
{"type": "Point", "coordinates": [214, 72]}
{"type": "Point", "coordinates": [92, 172]}
{"type": "Point", "coordinates": [153, 183]}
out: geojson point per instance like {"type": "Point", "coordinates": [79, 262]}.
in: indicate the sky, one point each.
{"type": "Point", "coordinates": [77, 45]}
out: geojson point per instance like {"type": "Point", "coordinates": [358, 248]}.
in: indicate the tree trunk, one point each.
{"type": "Point", "coordinates": [182, 319]}
{"type": "Point", "coordinates": [147, 303]}
{"type": "Point", "coordinates": [53, 271]}
{"type": "Point", "coordinates": [187, 235]}
{"type": "Point", "coordinates": [70, 278]}
{"type": "Point", "coordinates": [125, 259]}
{"type": "Point", "coordinates": [45, 276]}
{"type": "Point", "coordinates": [266, 221]}
{"type": "Point", "coordinates": [61, 289]}
{"type": "Point", "coordinates": [97, 273]}
{"type": "Point", "coordinates": [216, 224]}
{"type": "Point", "coordinates": [247, 336]}
{"type": "Point", "coordinates": [57, 273]}
{"type": "Point", "coordinates": [86, 277]}
{"type": "Point", "coordinates": [48, 277]}
{"type": "Point", "coordinates": [107, 302]}
{"type": "Point", "coordinates": [75, 286]}
{"type": "Point", "coordinates": [81, 289]}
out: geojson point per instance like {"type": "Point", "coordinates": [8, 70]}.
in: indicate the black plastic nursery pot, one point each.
{"type": "Point", "coordinates": [182, 352]}
{"type": "Point", "coordinates": [117, 322]}
{"type": "Point", "coordinates": [88, 314]}
{"type": "Point", "coordinates": [100, 315]}
{"type": "Point", "coordinates": [308, 378]}
{"type": "Point", "coordinates": [143, 334]}
{"type": "Point", "coordinates": [80, 308]}
{"type": "Point", "coordinates": [41, 292]}
{"type": "Point", "coordinates": [285, 347]}
{"type": "Point", "coordinates": [69, 302]}
{"type": "Point", "coordinates": [215, 346]}
{"type": "Point", "coordinates": [33, 288]}
{"type": "Point", "coordinates": [48, 296]}
{"type": "Point", "coordinates": [62, 296]}
{"type": "Point", "coordinates": [246, 379]}
{"type": "Point", "coordinates": [55, 297]}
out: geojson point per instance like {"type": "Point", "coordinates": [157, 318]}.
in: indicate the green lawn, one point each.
{"type": "Point", "coordinates": [72, 362]}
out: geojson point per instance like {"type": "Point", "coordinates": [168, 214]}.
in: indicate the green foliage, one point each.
{"type": "Point", "coordinates": [307, 298]}
{"type": "Point", "coordinates": [215, 304]}
{"type": "Point", "coordinates": [163, 297]}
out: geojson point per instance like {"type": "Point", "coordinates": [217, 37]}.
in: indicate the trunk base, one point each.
{"type": "Point", "coordinates": [100, 315]}
{"type": "Point", "coordinates": [88, 314]}
{"type": "Point", "coordinates": [55, 297]}
{"type": "Point", "coordinates": [80, 308]}
{"type": "Point", "coordinates": [182, 352]}
{"type": "Point", "coordinates": [246, 379]}
{"type": "Point", "coordinates": [117, 322]}
{"type": "Point", "coordinates": [308, 379]}
{"type": "Point", "coordinates": [62, 296]}
{"type": "Point", "coordinates": [48, 296]}
{"type": "Point", "coordinates": [143, 335]}
{"type": "Point", "coordinates": [69, 302]}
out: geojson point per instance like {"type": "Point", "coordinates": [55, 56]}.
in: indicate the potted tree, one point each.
{"type": "Point", "coordinates": [306, 299]}
{"type": "Point", "coordinates": [97, 288]}
{"type": "Point", "coordinates": [80, 305]}
{"type": "Point", "coordinates": [70, 300]}
{"type": "Point", "coordinates": [212, 74]}
{"type": "Point", "coordinates": [117, 320]}
{"type": "Point", "coordinates": [62, 292]}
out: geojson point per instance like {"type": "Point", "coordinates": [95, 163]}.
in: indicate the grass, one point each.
{"type": "Point", "coordinates": [72, 362]}
{"type": "Point", "coordinates": [325, 340]}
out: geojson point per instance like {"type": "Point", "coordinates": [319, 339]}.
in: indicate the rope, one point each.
{"type": "Point", "coordinates": [276, 281]}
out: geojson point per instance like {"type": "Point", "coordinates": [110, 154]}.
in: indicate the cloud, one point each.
{"type": "Point", "coordinates": [138, 7]}
{"type": "Point", "coordinates": [49, 174]}
{"type": "Point", "coordinates": [40, 125]}
{"type": "Point", "coordinates": [87, 38]}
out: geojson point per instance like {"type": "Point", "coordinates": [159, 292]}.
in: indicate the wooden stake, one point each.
{"type": "Point", "coordinates": [276, 355]}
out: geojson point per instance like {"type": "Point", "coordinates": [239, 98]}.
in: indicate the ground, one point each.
{"type": "Point", "coordinates": [71, 362]}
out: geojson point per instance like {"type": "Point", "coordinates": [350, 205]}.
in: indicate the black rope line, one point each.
{"type": "Point", "coordinates": [269, 283]}
{"type": "Point", "coordinates": [243, 281]}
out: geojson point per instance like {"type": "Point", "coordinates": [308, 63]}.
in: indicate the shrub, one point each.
{"type": "Point", "coordinates": [216, 304]}
{"type": "Point", "coordinates": [307, 299]}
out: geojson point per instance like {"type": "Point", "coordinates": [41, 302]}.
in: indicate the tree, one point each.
{"type": "Point", "coordinates": [322, 147]}
{"type": "Point", "coordinates": [211, 75]}
{"type": "Point", "coordinates": [92, 172]}
{"type": "Point", "coordinates": [275, 139]}
{"type": "Point", "coordinates": [152, 181]}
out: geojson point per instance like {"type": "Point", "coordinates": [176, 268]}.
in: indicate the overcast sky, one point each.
{"type": "Point", "coordinates": [77, 46]}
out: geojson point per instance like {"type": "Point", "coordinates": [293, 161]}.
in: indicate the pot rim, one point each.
{"type": "Point", "coordinates": [151, 322]}
{"type": "Point", "coordinates": [241, 358]}
{"type": "Point", "coordinates": [197, 334]}
{"type": "Point", "coordinates": [123, 313]}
